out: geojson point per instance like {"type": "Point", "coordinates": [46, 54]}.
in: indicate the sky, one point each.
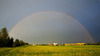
{"type": "Point", "coordinates": [86, 12]}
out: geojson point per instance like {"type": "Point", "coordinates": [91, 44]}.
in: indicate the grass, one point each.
{"type": "Point", "coordinates": [87, 50]}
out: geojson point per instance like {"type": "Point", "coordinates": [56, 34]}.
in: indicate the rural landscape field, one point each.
{"type": "Point", "coordinates": [29, 50]}
{"type": "Point", "coordinates": [49, 27]}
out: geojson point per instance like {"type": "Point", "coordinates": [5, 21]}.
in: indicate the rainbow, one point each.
{"type": "Point", "coordinates": [57, 13]}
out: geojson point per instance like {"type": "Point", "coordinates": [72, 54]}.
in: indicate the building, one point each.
{"type": "Point", "coordinates": [74, 44]}
{"type": "Point", "coordinates": [50, 44]}
{"type": "Point", "coordinates": [55, 44]}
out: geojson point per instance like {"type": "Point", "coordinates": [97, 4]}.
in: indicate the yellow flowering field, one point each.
{"type": "Point", "coordinates": [29, 50]}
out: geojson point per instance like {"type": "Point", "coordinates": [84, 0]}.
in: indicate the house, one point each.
{"type": "Point", "coordinates": [55, 44]}
{"type": "Point", "coordinates": [50, 44]}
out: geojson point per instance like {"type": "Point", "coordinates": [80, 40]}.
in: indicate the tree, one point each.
{"type": "Point", "coordinates": [4, 33]}
{"type": "Point", "coordinates": [1, 42]}
{"type": "Point", "coordinates": [98, 43]}
{"type": "Point", "coordinates": [26, 43]}
{"type": "Point", "coordinates": [21, 42]}
{"type": "Point", "coordinates": [11, 42]}
{"type": "Point", "coordinates": [0, 39]}
{"type": "Point", "coordinates": [6, 41]}
{"type": "Point", "coordinates": [3, 37]}
{"type": "Point", "coordinates": [0, 34]}
{"type": "Point", "coordinates": [17, 43]}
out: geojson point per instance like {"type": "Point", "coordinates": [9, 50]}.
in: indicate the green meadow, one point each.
{"type": "Point", "coordinates": [29, 50]}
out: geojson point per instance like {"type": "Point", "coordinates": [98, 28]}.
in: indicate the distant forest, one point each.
{"type": "Point", "coordinates": [6, 41]}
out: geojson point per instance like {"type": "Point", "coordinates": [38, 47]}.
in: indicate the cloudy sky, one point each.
{"type": "Point", "coordinates": [86, 12]}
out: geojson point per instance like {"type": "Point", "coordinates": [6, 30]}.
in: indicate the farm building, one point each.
{"type": "Point", "coordinates": [50, 44]}
{"type": "Point", "coordinates": [74, 44]}
{"type": "Point", "coordinates": [55, 44]}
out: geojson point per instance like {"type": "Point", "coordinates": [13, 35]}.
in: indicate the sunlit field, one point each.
{"type": "Point", "coordinates": [88, 50]}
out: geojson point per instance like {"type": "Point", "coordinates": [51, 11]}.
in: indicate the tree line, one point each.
{"type": "Point", "coordinates": [6, 41]}
{"type": "Point", "coordinates": [98, 43]}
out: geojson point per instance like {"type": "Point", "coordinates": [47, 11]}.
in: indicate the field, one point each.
{"type": "Point", "coordinates": [87, 50]}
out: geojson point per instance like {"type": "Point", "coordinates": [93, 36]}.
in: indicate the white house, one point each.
{"type": "Point", "coordinates": [55, 44]}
